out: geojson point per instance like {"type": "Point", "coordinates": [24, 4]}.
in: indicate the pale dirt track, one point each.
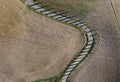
{"type": "Point", "coordinates": [103, 64]}
{"type": "Point", "coordinates": [32, 46]}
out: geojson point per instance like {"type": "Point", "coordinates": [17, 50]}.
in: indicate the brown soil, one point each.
{"type": "Point", "coordinates": [32, 46]}
{"type": "Point", "coordinates": [103, 64]}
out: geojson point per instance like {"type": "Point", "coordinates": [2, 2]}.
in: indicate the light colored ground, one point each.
{"type": "Point", "coordinates": [116, 4]}
{"type": "Point", "coordinates": [32, 46]}
{"type": "Point", "coordinates": [103, 64]}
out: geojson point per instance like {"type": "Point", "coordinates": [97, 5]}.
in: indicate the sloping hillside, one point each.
{"type": "Point", "coordinates": [102, 65]}
{"type": "Point", "coordinates": [32, 46]}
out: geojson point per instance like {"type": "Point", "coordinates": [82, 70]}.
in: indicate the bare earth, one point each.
{"type": "Point", "coordinates": [32, 46]}
{"type": "Point", "coordinates": [103, 64]}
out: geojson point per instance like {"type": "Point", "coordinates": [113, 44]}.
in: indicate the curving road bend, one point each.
{"type": "Point", "coordinates": [86, 31]}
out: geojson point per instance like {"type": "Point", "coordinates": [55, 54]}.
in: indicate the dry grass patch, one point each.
{"type": "Point", "coordinates": [102, 65]}
{"type": "Point", "coordinates": [32, 46]}
{"type": "Point", "coordinates": [80, 8]}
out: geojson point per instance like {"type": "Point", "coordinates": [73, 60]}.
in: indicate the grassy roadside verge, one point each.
{"type": "Point", "coordinates": [80, 8]}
